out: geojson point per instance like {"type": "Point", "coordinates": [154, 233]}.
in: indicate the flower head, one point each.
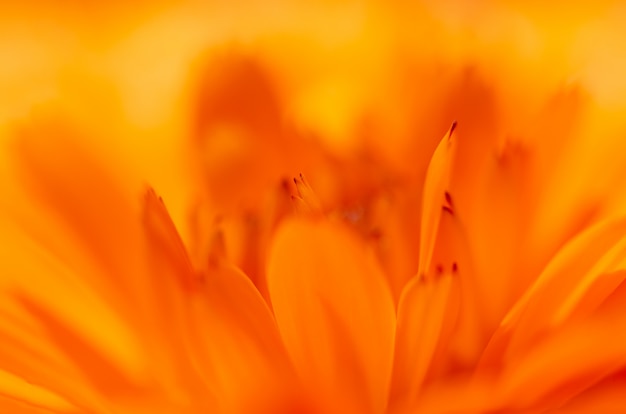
{"type": "Point", "coordinates": [335, 221]}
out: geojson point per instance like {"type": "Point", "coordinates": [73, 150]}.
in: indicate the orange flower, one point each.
{"type": "Point", "coordinates": [324, 249]}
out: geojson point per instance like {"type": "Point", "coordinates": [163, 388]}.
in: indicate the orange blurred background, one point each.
{"type": "Point", "coordinates": [130, 74]}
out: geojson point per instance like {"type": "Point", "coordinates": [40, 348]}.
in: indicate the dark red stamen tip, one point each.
{"type": "Point", "coordinates": [448, 210]}
{"type": "Point", "coordinates": [455, 267]}
{"type": "Point", "coordinates": [448, 198]}
{"type": "Point", "coordinates": [452, 128]}
{"type": "Point", "coordinates": [439, 269]}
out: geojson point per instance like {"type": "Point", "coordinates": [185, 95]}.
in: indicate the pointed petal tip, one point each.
{"type": "Point", "coordinates": [452, 129]}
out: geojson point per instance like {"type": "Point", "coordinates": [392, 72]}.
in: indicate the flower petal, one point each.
{"type": "Point", "coordinates": [566, 362]}
{"type": "Point", "coordinates": [577, 280]}
{"type": "Point", "coordinates": [24, 397]}
{"type": "Point", "coordinates": [465, 337]}
{"type": "Point", "coordinates": [435, 186]}
{"type": "Point", "coordinates": [235, 340]}
{"type": "Point", "coordinates": [334, 311]}
{"type": "Point", "coordinates": [605, 397]}
{"type": "Point", "coordinates": [89, 221]}
{"type": "Point", "coordinates": [99, 370]}
{"type": "Point", "coordinates": [240, 137]}
{"type": "Point", "coordinates": [9, 405]}
{"type": "Point", "coordinates": [421, 319]}
{"type": "Point", "coordinates": [26, 358]}
{"type": "Point", "coordinates": [30, 350]}
{"type": "Point", "coordinates": [496, 222]}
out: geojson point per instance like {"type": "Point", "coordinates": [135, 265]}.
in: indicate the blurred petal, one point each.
{"type": "Point", "coordinates": [235, 341]}
{"type": "Point", "coordinates": [421, 319]}
{"type": "Point", "coordinates": [20, 396]}
{"type": "Point", "coordinates": [577, 272]}
{"type": "Point", "coordinates": [334, 312]}
{"type": "Point", "coordinates": [606, 397]}
{"type": "Point", "coordinates": [566, 362]}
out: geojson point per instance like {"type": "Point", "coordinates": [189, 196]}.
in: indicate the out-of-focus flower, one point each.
{"type": "Point", "coordinates": [324, 249]}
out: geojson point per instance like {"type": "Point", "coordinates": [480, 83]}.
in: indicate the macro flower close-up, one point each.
{"type": "Point", "coordinates": [307, 208]}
